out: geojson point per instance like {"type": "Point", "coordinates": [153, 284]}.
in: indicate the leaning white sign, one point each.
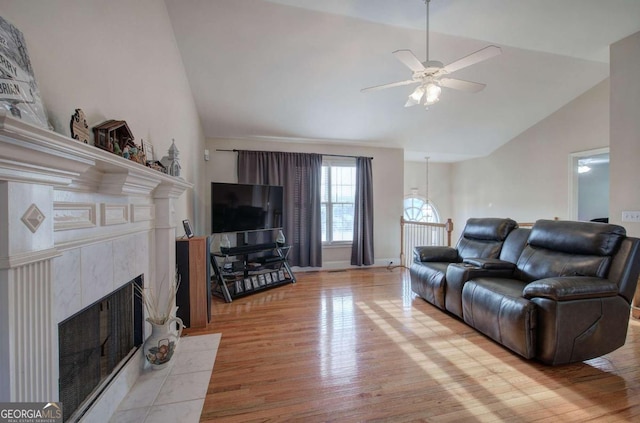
{"type": "Point", "coordinates": [19, 92]}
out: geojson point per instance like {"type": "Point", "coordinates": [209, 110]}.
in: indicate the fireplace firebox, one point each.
{"type": "Point", "coordinates": [95, 342]}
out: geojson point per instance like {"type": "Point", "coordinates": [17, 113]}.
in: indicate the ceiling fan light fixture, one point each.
{"type": "Point", "coordinates": [415, 96]}
{"type": "Point", "coordinates": [429, 74]}
{"type": "Point", "coordinates": [432, 93]}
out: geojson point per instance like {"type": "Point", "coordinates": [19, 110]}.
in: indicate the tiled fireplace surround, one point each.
{"type": "Point", "coordinates": [76, 223]}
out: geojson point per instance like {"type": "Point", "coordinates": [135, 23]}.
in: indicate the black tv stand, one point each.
{"type": "Point", "coordinates": [244, 249]}
{"type": "Point", "coordinates": [248, 269]}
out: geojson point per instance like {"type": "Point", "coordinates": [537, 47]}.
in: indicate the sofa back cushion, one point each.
{"type": "Point", "coordinates": [599, 239]}
{"type": "Point", "coordinates": [563, 248]}
{"type": "Point", "coordinates": [483, 237]}
{"type": "Point", "coordinates": [514, 244]}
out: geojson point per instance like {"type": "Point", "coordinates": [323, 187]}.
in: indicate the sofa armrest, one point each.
{"type": "Point", "coordinates": [490, 263]}
{"type": "Point", "coordinates": [571, 288]}
{"type": "Point", "coordinates": [435, 254]}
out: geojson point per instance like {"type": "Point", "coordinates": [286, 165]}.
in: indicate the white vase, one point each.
{"type": "Point", "coordinates": [224, 243]}
{"type": "Point", "coordinates": [161, 345]}
{"type": "Point", "coordinates": [280, 239]}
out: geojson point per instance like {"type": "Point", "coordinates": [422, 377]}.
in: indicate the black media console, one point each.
{"type": "Point", "coordinates": [247, 269]}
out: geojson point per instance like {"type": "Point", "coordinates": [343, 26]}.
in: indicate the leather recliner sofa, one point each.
{"type": "Point", "coordinates": [565, 298]}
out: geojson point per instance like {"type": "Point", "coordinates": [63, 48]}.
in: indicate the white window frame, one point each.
{"type": "Point", "coordinates": [434, 209]}
{"type": "Point", "coordinates": [334, 162]}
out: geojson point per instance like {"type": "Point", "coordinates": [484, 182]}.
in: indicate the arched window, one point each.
{"type": "Point", "coordinates": [417, 209]}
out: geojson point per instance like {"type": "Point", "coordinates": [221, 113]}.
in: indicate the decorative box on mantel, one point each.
{"type": "Point", "coordinates": [76, 223]}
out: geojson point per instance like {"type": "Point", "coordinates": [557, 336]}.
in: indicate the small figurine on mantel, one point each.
{"type": "Point", "coordinates": [172, 161]}
{"type": "Point", "coordinates": [79, 127]}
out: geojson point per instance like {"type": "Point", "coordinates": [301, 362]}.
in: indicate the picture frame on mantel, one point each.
{"type": "Point", "coordinates": [20, 95]}
{"type": "Point", "coordinates": [147, 147]}
{"type": "Point", "coordinates": [187, 228]}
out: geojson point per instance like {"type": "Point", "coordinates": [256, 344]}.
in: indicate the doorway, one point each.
{"type": "Point", "coordinates": [589, 185]}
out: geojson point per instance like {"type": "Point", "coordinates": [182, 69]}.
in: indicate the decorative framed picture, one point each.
{"type": "Point", "coordinates": [281, 275]}
{"type": "Point", "coordinates": [239, 287]}
{"type": "Point", "coordinates": [19, 95]}
{"type": "Point", "coordinates": [267, 277]}
{"type": "Point", "coordinates": [247, 284]}
{"type": "Point", "coordinates": [187, 228]}
{"type": "Point", "coordinates": [274, 276]}
{"type": "Point", "coordinates": [147, 147]}
{"type": "Point", "coordinates": [261, 280]}
{"type": "Point", "coordinates": [255, 282]}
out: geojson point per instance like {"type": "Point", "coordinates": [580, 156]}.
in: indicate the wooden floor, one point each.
{"type": "Point", "coordinates": [359, 346]}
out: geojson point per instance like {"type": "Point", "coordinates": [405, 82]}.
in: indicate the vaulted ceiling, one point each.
{"type": "Point", "coordinates": [293, 69]}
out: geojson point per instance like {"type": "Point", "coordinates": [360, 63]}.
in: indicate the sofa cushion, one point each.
{"type": "Point", "coordinates": [496, 308]}
{"type": "Point", "coordinates": [468, 248]}
{"type": "Point", "coordinates": [428, 281]}
{"type": "Point", "coordinates": [514, 244]}
{"type": "Point", "coordinates": [540, 263]}
{"type": "Point", "coordinates": [586, 238]}
{"type": "Point", "coordinates": [483, 237]}
{"type": "Point", "coordinates": [488, 228]}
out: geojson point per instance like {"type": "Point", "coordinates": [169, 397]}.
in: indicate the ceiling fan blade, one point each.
{"type": "Point", "coordinates": [473, 58]}
{"type": "Point", "coordinates": [409, 59]}
{"type": "Point", "coordinates": [459, 84]}
{"type": "Point", "coordinates": [393, 84]}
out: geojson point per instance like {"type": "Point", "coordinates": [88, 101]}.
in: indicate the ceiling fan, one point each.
{"type": "Point", "coordinates": [431, 74]}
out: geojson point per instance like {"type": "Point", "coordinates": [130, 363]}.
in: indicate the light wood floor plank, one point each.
{"type": "Point", "coordinates": [359, 346]}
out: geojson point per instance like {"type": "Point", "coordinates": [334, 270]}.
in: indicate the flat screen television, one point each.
{"type": "Point", "coordinates": [245, 207]}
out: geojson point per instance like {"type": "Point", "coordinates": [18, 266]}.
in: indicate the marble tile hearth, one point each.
{"type": "Point", "coordinates": [175, 393]}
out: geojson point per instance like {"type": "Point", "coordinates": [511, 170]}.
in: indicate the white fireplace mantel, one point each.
{"type": "Point", "coordinates": [66, 208]}
{"type": "Point", "coordinates": [36, 155]}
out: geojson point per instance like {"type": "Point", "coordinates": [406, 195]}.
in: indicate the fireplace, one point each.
{"type": "Point", "coordinates": [76, 224]}
{"type": "Point", "coordinates": [95, 342]}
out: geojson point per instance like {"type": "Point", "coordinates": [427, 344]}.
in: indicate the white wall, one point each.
{"type": "Point", "coordinates": [625, 130]}
{"type": "Point", "coordinates": [415, 176]}
{"type": "Point", "coordinates": [528, 178]}
{"type": "Point", "coordinates": [115, 59]}
{"type": "Point", "coordinates": [388, 164]}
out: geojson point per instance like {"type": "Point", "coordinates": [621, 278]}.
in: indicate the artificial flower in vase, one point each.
{"type": "Point", "coordinates": [160, 346]}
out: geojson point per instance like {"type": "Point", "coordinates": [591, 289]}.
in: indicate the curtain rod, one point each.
{"type": "Point", "coordinates": [258, 151]}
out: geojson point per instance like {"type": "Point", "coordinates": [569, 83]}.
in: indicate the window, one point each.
{"type": "Point", "coordinates": [417, 209]}
{"type": "Point", "coordinates": [338, 187]}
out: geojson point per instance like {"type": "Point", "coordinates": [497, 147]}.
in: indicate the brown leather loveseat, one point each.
{"type": "Point", "coordinates": [561, 296]}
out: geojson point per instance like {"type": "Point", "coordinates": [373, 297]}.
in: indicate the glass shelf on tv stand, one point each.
{"type": "Point", "coordinates": [246, 270]}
